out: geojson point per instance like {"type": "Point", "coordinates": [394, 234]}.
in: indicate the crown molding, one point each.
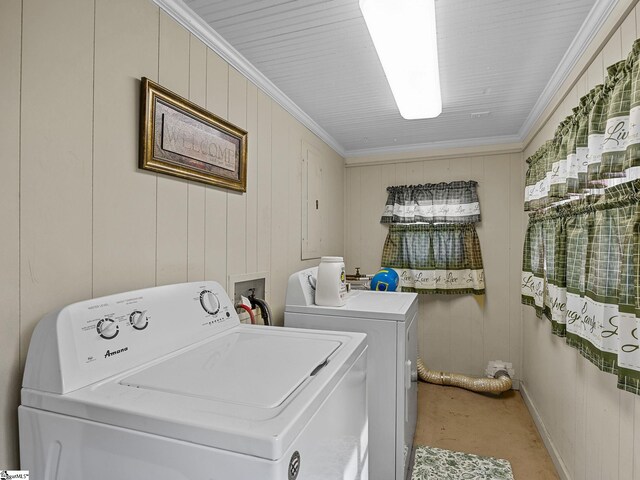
{"type": "Point", "coordinates": [186, 17]}
{"type": "Point", "coordinates": [595, 20]}
{"type": "Point", "coordinates": [433, 150]}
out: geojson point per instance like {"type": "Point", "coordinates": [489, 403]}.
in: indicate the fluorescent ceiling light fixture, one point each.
{"type": "Point", "coordinates": [404, 34]}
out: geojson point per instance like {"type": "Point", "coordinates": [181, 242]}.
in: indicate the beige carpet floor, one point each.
{"type": "Point", "coordinates": [501, 427]}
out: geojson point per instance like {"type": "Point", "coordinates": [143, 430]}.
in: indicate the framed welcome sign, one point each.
{"type": "Point", "coordinates": [180, 138]}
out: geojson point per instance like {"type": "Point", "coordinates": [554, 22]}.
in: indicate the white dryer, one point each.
{"type": "Point", "coordinates": [390, 321]}
{"type": "Point", "coordinates": [166, 383]}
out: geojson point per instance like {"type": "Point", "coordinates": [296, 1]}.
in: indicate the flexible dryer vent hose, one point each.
{"type": "Point", "coordinates": [501, 382]}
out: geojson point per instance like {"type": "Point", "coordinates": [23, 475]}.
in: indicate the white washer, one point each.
{"type": "Point", "coordinates": [166, 383]}
{"type": "Point", "coordinates": [390, 321]}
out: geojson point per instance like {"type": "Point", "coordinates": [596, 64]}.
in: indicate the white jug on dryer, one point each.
{"type": "Point", "coordinates": [331, 287]}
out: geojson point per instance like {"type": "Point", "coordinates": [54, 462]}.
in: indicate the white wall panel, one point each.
{"type": "Point", "coordinates": [280, 205]}
{"type": "Point", "coordinates": [55, 158]}
{"type": "Point", "coordinates": [293, 177]}
{"type": "Point", "coordinates": [373, 197]}
{"type": "Point", "coordinates": [124, 199]}
{"type": "Point", "coordinates": [354, 206]}
{"type": "Point", "coordinates": [196, 219]}
{"type": "Point", "coordinates": [516, 192]}
{"type": "Point", "coordinates": [236, 202]}
{"type": "Point", "coordinates": [216, 198]}
{"type": "Point", "coordinates": [579, 412]}
{"type": "Point", "coordinates": [494, 192]}
{"type": "Point", "coordinates": [627, 34]}
{"type": "Point", "coordinates": [625, 455]}
{"type": "Point", "coordinates": [401, 174]}
{"type": "Point", "coordinates": [387, 179]}
{"type": "Point", "coordinates": [172, 193]}
{"type": "Point", "coordinates": [10, 31]}
{"type": "Point", "coordinates": [264, 182]}
{"type": "Point", "coordinates": [251, 228]}
{"type": "Point", "coordinates": [333, 193]}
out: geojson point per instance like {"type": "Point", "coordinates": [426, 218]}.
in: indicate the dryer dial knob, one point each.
{"type": "Point", "coordinates": [139, 320]}
{"type": "Point", "coordinates": [209, 302]}
{"type": "Point", "coordinates": [107, 328]}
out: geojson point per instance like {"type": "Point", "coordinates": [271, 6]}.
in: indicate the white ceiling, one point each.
{"type": "Point", "coordinates": [503, 57]}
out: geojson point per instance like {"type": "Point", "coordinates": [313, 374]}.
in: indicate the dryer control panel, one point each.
{"type": "Point", "coordinates": [99, 338]}
{"type": "Point", "coordinates": [301, 289]}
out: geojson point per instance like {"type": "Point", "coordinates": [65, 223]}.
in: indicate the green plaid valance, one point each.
{"type": "Point", "coordinates": [454, 202]}
{"type": "Point", "coordinates": [581, 271]}
{"type": "Point", "coordinates": [595, 147]}
{"type": "Point", "coordinates": [440, 258]}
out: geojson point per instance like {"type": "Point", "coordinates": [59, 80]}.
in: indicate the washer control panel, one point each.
{"type": "Point", "coordinates": [107, 328]}
{"type": "Point", "coordinates": [90, 341]}
{"type": "Point", "coordinates": [209, 302]}
{"type": "Point", "coordinates": [145, 324]}
{"type": "Point", "coordinates": [139, 320]}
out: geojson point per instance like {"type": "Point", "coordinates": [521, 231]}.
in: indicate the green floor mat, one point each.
{"type": "Point", "coordinates": [437, 464]}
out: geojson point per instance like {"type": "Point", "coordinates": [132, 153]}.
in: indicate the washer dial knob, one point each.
{"type": "Point", "coordinates": [107, 328]}
{"type": "Point", "coordinates": [209, 302]}
{"type": "Point", "coordinates": [139, 320]}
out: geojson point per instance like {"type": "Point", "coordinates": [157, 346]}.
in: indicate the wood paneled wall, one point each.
{"type": "Point", "coordinates": [458, 333]}
{"type": "Point", "coordinates": [10, 46]}
{"type": "Point", "coordinates": [591, 427]}
{"type": "Point", "coordinates": [79, 219]}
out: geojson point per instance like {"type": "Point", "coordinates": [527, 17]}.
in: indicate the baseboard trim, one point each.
{"type": "Point", "coordinates": [561, 468]}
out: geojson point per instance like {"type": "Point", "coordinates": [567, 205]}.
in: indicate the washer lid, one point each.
{"type": "Point", "coordinates": [190, 395]}
{"type": "Point", "coordinates": [242, 368]}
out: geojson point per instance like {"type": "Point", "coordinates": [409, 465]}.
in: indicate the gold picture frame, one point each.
{"type": "Point", "coordinates": [180, 138]}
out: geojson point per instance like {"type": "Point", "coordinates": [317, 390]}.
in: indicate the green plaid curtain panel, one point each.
{"type": "Point", "coordinates": [594, 145]}
{"type": "Point", "coordinates": [582, 259]}
{"type": "Point", "coordinates": [559, 167]}
{"type": "Point", "coordinates": [547, 174]}
{"type": "Point", "coordinates": [555, 253]}
{"type": "Point", "coordinates": [632, 154]}
{"type": "Point", "coordinates": [531, 180]}
{"type": "Point", "coordinates": [614, 144]}
{"type": "Point", "coordinates": [432, 241]}
{"type": "Point", "coordinates": [455, 202]}
{"type": "Point", "coordinates": [597, 126]}
{"type": "Point", "coordinates": [538, 175]}
{"type": "Point", "coordinates": [544, 269]}
{"type": "Point", "coordinates": [629, 303]}
{"type": "Point", "coordinates": [599, 313]}
{"type": "Point", "coordinates": [533, 266]}
{"type": "Point", "coordinates": [582, 138]}
{"type": "Point", "coordinates": [579, 228]}
{"type": "Point", "coordinates": [572, 153]}
{"type": "Point", "coordinates": [438, 258]}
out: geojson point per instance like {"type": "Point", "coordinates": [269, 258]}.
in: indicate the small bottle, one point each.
{"type": "Point", "coordinates": [331, 285]}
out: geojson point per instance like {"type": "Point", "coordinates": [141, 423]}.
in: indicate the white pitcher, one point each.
{"type": "Point", "coordinates": [331, 285]}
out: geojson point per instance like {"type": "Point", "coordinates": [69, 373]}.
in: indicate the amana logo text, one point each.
{"type": "Point", "coordinates": [115, 352]}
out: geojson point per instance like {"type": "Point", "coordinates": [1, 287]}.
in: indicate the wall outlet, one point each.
{"type": "Point", "coordinates": [495, 366]}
